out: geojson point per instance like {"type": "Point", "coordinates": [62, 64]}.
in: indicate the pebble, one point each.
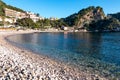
{"type": "Point", "coordinates": [18, 65]}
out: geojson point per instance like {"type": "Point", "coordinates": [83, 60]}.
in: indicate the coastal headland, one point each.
{"type": "Point", "coordinates": [16, 63]}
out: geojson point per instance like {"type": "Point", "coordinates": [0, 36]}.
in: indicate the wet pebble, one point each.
{"type": "Point", "coordinates": [22, 66]}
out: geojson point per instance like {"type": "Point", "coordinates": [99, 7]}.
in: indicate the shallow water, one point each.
{"type": "Point", "coordinates": [97, 53]}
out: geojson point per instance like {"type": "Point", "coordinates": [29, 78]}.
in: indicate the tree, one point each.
{"type": "Point", "coordinates": [26, 22]}
{"type": "Point", "coordinates": [46, 22]}
{"type": "Point", "coordinates": [37, 14]}
{"type": "Point", "coordinates": [105, 24]}
{"type": "Point", "coordinates": [40, 24]}
{"type": "Point", "coordinates": [2, 13]}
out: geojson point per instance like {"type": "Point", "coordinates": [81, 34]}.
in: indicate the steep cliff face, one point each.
{"type": "Point", "coordinates": [93, 14]}
{"type": "Point", "coordinates": [85, 16]}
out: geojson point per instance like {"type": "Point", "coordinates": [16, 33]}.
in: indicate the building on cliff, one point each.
{"type": "Point", "coordinates": [13, 14]}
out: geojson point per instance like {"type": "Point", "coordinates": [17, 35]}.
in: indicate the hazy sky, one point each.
{"type": "Point", "coordinates": [63, 8]}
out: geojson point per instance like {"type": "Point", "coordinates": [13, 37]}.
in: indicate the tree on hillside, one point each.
{"type": "Point", "coordinates": [101, 25]}
{"type": "Point", "coordinates": [117, 15]}
{"type": "Point", "coordinates": [26, 22]}
{"type": "Point", "coordinates": [39, 23]}
{"type": "Point", "coordinates": [46, 22]}
{"type": "Point", "coordinates": [85, 15]}
{"type": "Point", "coordinates": [37, 14]}
{"type": "Point", "coordinates": [2, 11]}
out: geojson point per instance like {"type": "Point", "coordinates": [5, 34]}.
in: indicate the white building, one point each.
{"type": "Point", "coordinates": [10, 20]}
{"type": "Point", "coordinates": [0, 19]}
{"type": "Point", "coordinates": [33, 16]}
{"type": "Point", "coordinates": [14, 15]}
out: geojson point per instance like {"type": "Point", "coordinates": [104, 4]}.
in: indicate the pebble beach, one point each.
{"type": "Point", "coordinates": [20, 64]}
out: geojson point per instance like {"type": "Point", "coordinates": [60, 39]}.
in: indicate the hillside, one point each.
{"type": "Point", "coordinates": [4, 5]}
{"type": "Point", "coordinates": [109, 24]}
{"type": "Point", "coordinates": [93, 19]}
{"type": "Point", "coordinates": [116, 15]}
{"type": "Point", "coordinates": [84, 16]}
{"type": "Point", "coordinates": [90, 19]}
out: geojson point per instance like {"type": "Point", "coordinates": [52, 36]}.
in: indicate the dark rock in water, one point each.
{"type": "Point", "coordinates": [90, 66]}
{"type": "Point", "coordinates": [74, 59]}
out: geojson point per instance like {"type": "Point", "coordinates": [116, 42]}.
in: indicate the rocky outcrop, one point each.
{"type": "Point", "coordinates": [92, 14]}
{"type": "Point", "coordinates": [85, 16]}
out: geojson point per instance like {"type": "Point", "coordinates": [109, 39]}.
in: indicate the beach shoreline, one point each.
{"type": "Point", "coordinates": [18, 63]}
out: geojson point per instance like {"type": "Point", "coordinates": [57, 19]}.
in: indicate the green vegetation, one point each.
{"type": "Point", "coordinates": [111, 24]}
{"type": "Point", "coordinates": [75, 19]}
{"type": "Point", "coordinates": [52, 23]}
{"type": "Point", "coordinates": [71, 20]}
{"type": "Point", "coordinates": [40, 24]}
{"type": "Point", "coordinates": [2, 12]}
{"type": "Point", "coordinates": [117, 16]}
{"type": "Point", "coordinates": [4, 5]}
{"type": "Point", "coordinates": [95, 23]}
{"type": "Point", "coordinates": [1, 23]}
{"type": "Point", "coordinates": [91, 19]}
{"type": "Point", "coordinates": [26, 22]}
{"type": "Point", "coordinates": [14, 8]}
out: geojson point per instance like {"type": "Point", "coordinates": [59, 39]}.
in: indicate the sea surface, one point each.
{"type": "Point", "coordinates": [97, 53]}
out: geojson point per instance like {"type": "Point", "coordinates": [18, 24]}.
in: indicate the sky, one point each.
{"type": "Point", "coordinates": [63, 8]}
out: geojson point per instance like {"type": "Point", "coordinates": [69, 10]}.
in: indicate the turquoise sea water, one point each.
{"type": "Point", "coordinates": [98, 53]}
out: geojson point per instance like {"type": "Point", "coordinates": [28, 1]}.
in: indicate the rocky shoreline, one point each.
{"type": "Point", "coordinates": [20, 64]}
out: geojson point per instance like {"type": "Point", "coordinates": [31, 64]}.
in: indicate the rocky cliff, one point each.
{"type": "Point", "coordinates": [85, 16]}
